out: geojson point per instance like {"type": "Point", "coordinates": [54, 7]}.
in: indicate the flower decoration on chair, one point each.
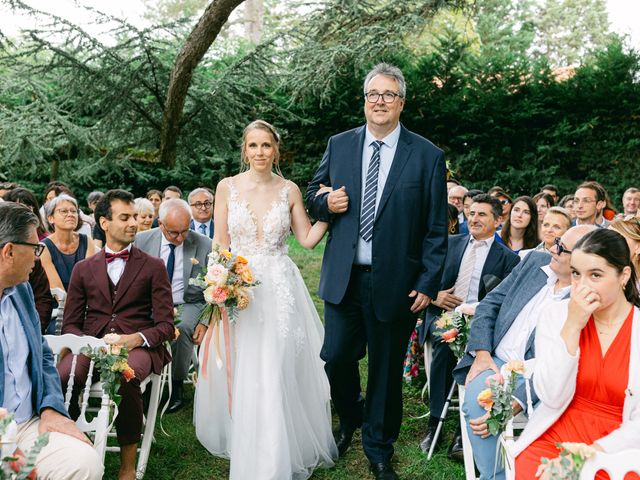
{"type": "Point", "coordinates": [498, 397]}
{"type": "Point", "coordinates": [111, 360]}
{"type": "Point", "coordinates": [454, 328]}
{"type": "Point", "coordinates": [568, 464]}
{"type": "Point", "coordinates": [227, 282]}
{"type": "Point", "coordinates": [17, 465]}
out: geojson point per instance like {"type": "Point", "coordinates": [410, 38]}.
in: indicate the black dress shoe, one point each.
{"type": "Point", "coordinates": [343, 436]}
{"type": "Point", "coordinates": [425, 443]}
{"type": "Point", "coordinates": [177, 397]}
{"type": "Point", "coordinates": [383, 471]}
{"type": "Point", "coordinates": [455, 450]}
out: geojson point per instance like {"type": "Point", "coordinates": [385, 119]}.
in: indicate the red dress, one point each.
{"type": "Point", "coordinates": [596, 408]}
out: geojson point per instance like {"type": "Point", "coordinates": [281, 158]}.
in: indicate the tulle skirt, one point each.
{"type": "Point", "coordinates": [280, 422]}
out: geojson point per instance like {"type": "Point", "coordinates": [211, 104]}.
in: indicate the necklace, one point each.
{"type": "Point", "coordinates": [602, 332]}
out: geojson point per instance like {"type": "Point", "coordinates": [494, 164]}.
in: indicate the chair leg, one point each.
{"type": "Point", "coordinates": [467, 452]}
{"type": "Point", "coordinates": [149, 426]}
{"type": "Point", "coordinates": [443, 415]}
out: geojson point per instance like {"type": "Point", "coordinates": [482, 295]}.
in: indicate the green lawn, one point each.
{"type": "Point", "coordinates": [180, 456]}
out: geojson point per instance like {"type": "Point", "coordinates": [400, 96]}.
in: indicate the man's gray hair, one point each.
{"type": "Point", "coordinates": [388, 71]}
{"type": "Point", "coordinates": [94, 197]}
{"type": "Point", "coordinates": [173, 204]}
{"type": "Point", "coordinates": [51, 205]}
{"type": "Point", "coordinates": [142, 205]}
{"type": "Point", "coordinates": [15, 222]}
{"type": "Point", "coordinates": [195, 192]}
{"type": "Point", "coordinates": [631, 190]}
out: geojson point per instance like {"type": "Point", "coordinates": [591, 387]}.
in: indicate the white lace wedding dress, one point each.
{"type": "Point", "coordinates": [280, 424]}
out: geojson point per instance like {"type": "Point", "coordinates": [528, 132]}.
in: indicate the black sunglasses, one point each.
{"type": "Point", "coordinates": [561, 248]}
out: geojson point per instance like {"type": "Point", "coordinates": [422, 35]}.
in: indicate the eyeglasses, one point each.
{"type": "Point", "coordinates": [387, 97]}
{"type": "Point", "coordinates": [38, 248]}
{"type": "Point", "coordinates": [202, 205]}
{"type": "Point", "coordinates": [64, 212]}
{"type": "Point", "coordinates": [560, 249]}
{"type": "Point", "coordinates": [583, 201]}
{"type": "Point", "coordinates": [173, 235]}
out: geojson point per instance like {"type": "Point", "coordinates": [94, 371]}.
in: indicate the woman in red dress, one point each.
{"type": "Point", "coordinates": [588, 366]}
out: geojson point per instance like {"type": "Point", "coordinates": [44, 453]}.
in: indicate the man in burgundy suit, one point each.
{"type": "Point", "coordinates": [125, 291]}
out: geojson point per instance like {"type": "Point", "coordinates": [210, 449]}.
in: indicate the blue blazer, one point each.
{"type": "Point", "coordinates": [45, 382]}
{"type": "Point", "coordinates": [497, 312]}
{"type": "Point", "coordinates": [410, 230]}
{"type": "Point", "coordinates": [499, 263]}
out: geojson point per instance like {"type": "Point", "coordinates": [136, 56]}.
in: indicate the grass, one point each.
{"type": "Point", "coordinates": [181, 456]}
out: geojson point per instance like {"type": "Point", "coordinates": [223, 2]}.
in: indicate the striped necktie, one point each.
{"type": "Point", "coordinates": [368, 212]}
{"type": "Point", "coordinates": [467, 265]}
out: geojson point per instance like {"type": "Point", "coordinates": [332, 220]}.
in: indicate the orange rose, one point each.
{"type": "Point", "coordinates": [450, 335]}
{"type": "Point", "coordinates": [242, 260]}
{"type": "Point", "coordinates": [176, 333]}
{"type": "Point", "coordinates": [225, 253]}
{"type": "Point", "coordinates": [485, 399]}
{"type": "Point", "coordinates": [246, 276]}
{"type": "Point", "coordinates": [128, 373]}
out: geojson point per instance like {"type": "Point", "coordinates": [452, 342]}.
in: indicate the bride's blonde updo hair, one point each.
{"type": "Point", "coordinates": [270, 129]}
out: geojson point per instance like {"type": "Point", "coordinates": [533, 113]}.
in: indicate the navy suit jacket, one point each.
{"type": "Point", "coordinates": [499, 263]}
{"type": "Point", "coordinates": [46, 388]}
{"type": "Point", "coordinates": [410, 230]}
{"type": "Point", "coordinates": [497, 312]}
{"type": "Point", "coordinates": [192, 226]}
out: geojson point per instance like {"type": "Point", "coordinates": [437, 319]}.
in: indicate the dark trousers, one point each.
{"type": "Point", "coordinates": [443, 361]}
{"type": "Point", "coordinates": [351, 328]}
{"type": "Point", "coordinates": [130, 411]}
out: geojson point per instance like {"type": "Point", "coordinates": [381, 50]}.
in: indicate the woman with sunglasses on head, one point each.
{"type": "Point", "coordinates": [587, 371]}
{"type": "Point", "coordinates": [65, 246]}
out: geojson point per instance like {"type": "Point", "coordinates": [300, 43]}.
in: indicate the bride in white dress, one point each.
{"type": "Point", "coordinates": [280, 422]}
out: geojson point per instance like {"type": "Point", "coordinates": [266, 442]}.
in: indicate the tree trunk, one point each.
{"type": "Point", "coordinates": [196, 45]}
{"type": "Point", "coordinates": [253, 13]}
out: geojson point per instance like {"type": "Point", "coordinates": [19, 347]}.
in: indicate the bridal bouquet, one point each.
{"type": "Point", "coordinates": [111, 360]}
{"type": "Point", "coordinates": [568, 464]}
{"type": "Point", "coordinates": [226, 283]}
{"type": "Point", "coordinates": [454, 328]}
{"type": "Point", "coordinates": [497, 398]}
{"type": "Point", "coordinates": [13, 465]}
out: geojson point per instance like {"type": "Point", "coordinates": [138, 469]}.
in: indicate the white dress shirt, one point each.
{"type": "Point", "coordinates": [387, 152]}
{"type": "Point", "coordinates": [513, 345]}
{"type": "Point", "coordinates": [177, 282]}
{"type": "Point", "coordinates": [15, 353]}
{"type": "Point", "coordinates": [482, 252]}
{"type": "Point", "coordinates": [197, 228]}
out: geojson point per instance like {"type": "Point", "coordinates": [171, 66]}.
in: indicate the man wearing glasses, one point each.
{"type": "Point", "coordinates": [201, 203]}
{"type": "Point", "coordinates": [29, 383]}
{"type": "Point", "coordinates": [589, 202]}
{"type": "Point", "coordinates": [382, 262]}
{"type": "Point", "coordinates": [184, 253]}
{"type": "Point", "coordinates": [503, 329]}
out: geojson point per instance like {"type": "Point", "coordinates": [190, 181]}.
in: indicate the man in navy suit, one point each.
{"type": "Point", "coordinates": [475, 263]}
{"type": "Point", "coordinates": [201, 203]}
{"type": "Point", "coordinates": [29, 383]}
{"type": "Point", "coordinates": [382, 262]}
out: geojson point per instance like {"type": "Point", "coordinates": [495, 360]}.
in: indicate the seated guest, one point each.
{"type": "Point", "coordinates": [6, 187]}
{"type": "Point", "coordinates": [170, 192]}
{"type": "Point", "coordinates": [121, 290]}
{"type": "Point", "coordinates": [629, 228]}
{"type": "Point", "coordinates": [552, 191]}
{"type": "Point", "coordinates": [631, 202]}
{"type": "Point", "coordinates": [178, 247]}
{"type": "Point", "coordinates": [452, 220]}
{"type": "Point", "coordinates": [589, 202]}
{"type": "Point", "coordinates": [92, 200]}
{"type": "Point", "coordinates": [503, 329]}
{"type": "Point", "coordinates": [56, 188]}
{"type": "Point", "coordinates": [468, 200]}
{"type": "Point", "coordinates": [65, 247]}
{"type": "Point", "coordinates": [26, 197]}
{"type": "Point", "coordinates": [30, 386]}
{"type": "Point", "coordinates": [201, 203]}
{"type": "Point", "coordinates": [456, 198]}
{"type": "Point", "coordinates": [155, 197]}
{"type": "Point", "coordinates": [505, 200]}
{"type": "Point", "coordinates": [543, 203]}
{"type": "Point", "coordinates": [520, 230]}
{"type": "Point", "coordinates": [144, 210]}
{"type": "Point", "coordinates": [472, 263]}
{"type": "Point", "coordinates": [567, 202]}
{"type": "Point", "coordinates": [587, 369]}
{"type": "Point", "coordinates": [556, 221]}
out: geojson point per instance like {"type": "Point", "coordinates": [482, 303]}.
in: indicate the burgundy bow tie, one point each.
{"type": "Point", "coordinates": [110, 257]}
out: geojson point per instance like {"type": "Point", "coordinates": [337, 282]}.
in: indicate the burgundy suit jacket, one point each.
{"type": "Point", "coordinates": [143, 302]}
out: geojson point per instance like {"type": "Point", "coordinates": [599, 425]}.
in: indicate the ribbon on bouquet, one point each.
{"type": "Point", "coordinates": [219, 316]}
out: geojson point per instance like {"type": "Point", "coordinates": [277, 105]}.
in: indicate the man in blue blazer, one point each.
{"type": "Point", "coordinates": [503, 329]}
{"type": "Point", "coordinates": [382, 262]}
{"type": "Point", "coordinates": [475, 264]}
{"type": "Point", "coordinates": [29, 382]}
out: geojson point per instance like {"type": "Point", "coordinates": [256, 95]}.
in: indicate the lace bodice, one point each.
{"type": "Point", "coordinates": [258, 236]}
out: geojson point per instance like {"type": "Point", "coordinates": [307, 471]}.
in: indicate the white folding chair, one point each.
{"type": "Point", "coordinates": [617, 465]}
{"type": "Point", "coordinates": [58, 313]}
{"type": "Point", "coordinates": [98, 427]}
{"type": "Point", "coordinates": [467, 452]}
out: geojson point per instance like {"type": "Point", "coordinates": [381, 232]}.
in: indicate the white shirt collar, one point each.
{"type": "Point", "coordinates": [390, 140]}
{"type": "Point", "coordinates": [488, 241]}
{"type": "Point", "coordinates": [108, 250]}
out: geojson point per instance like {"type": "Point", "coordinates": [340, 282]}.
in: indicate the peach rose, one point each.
{"type": "Point", "coordinates": [485, 399]}
{"type": "Point", "coordinates": [128, 373]}
{"type": "Point", "coordinates": [515, 366]}
{"type": "Point", "coordinates": [115, 349]}
{"type": "Point", "coordinates": [3, 412]}
{"type": "Point", "coordinates": [243, 298]}
{"type": "Point", "coordinates": [220, 295]}
{"type": "Point", "coordinates": [247, 276]}
{"type": "Point", "coordinates": [450, 335]}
